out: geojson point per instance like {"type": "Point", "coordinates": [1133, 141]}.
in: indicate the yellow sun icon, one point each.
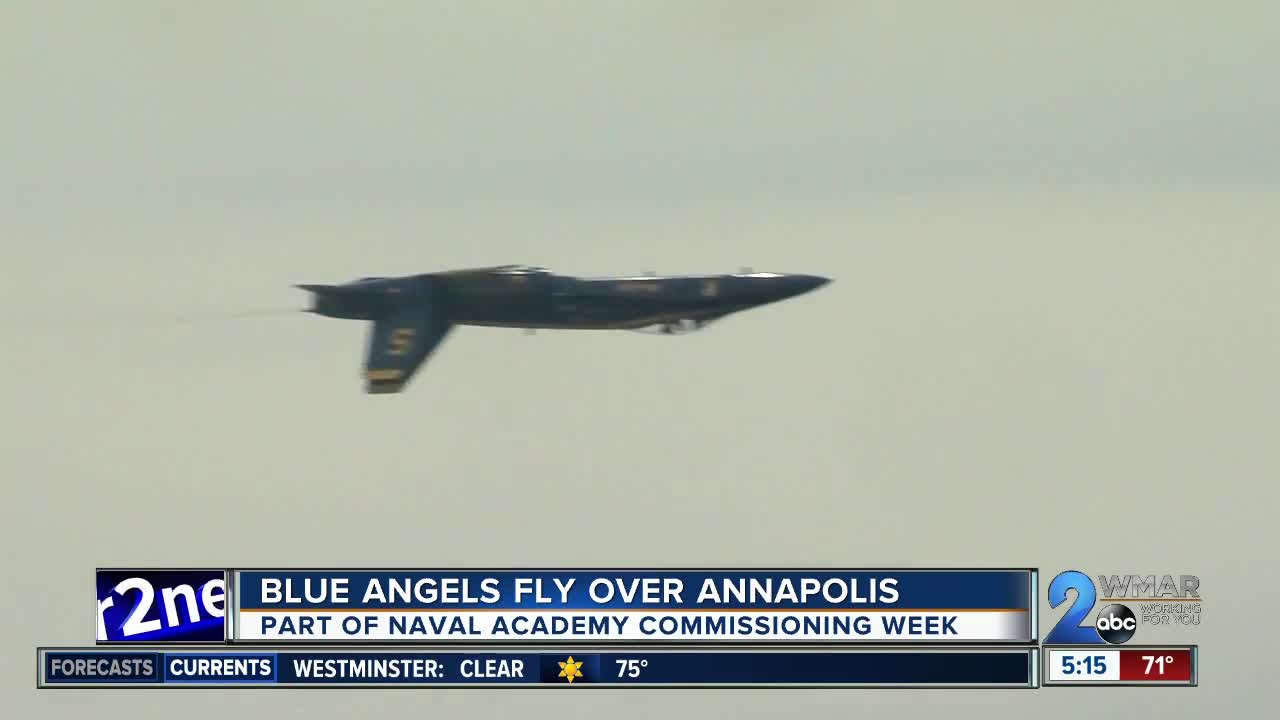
{"type": "Point", "coordinates": [570, 669]}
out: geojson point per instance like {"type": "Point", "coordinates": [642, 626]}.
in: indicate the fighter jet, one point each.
{"type": "Point", "coordinates": [411, 315]}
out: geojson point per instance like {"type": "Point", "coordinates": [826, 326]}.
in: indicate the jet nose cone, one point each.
{"type": "Point", "coordinates": [790, 286]}
{"type": "Point", "coordinates": [808, 283]}
{"type": "Point", "coordinates": [781, 287]}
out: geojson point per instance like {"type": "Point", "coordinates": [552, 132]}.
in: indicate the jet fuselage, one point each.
{"type": "Point", "coordinates": [523, 298]}
{"type": "Point", "coordinates": [411, 315]}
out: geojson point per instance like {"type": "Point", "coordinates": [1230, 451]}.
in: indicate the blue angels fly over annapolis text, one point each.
{"type": "Point", "coordinates": [558, 591]}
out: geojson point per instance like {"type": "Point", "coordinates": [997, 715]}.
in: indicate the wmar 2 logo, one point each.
{"type": "Point", "coordinates": [1116, 623]}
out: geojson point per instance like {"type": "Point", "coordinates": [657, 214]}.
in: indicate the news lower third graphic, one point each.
{"type": "Point", "coordinates": [647, 606]}
{"type": "Point", "coordinates": [205, 667]}
{"type": "Point", "coordinates": [139, 606]}
{"type": "Point", "coordinates": [1163, 601]}
{"type": "Point", "coordinates": [1147, 665]}
{"type": "Point", "coordinates": [630, 627]}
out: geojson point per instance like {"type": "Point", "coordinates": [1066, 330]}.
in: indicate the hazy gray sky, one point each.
{"type": "Point", "coordinates": [1053, 233]}
{"type": "Point", "coordinates": [570, 102]}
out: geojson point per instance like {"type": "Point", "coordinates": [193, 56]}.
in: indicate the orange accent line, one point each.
{"type": "Point", "coordinates": [1146, 599]}
{"type": "Point", "coordinates": [653, 610]}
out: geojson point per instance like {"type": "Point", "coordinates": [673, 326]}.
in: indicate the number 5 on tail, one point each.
{"type": "Point", "coordinates": [400, 341]}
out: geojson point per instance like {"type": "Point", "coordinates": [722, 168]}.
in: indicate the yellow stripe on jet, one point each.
{"type": "Point", "coordinates": [384, 375]}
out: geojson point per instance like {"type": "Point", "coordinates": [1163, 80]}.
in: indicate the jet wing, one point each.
{"type": "Point", "coordinates": [398, 345]}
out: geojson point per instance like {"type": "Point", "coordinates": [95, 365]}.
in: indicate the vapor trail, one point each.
{"type": "Point", "coordinates": [45, 322]}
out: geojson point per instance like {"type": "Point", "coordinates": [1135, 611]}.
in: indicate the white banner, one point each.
{"type": "Point", "coordinates": [933, 626]}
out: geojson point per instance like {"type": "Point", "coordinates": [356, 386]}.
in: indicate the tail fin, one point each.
{"type": "Point", "coordinates": [399, 344]}
{"type": "Point", "coordinates": [408, 324]}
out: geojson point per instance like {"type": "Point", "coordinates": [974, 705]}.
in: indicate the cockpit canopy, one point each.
{"type": "Point", "coordinates": [499, 280]}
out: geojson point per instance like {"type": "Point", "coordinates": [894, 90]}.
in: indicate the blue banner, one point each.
{"type": "Point", "coordinates": [1013, 667]}
{"type": "Point", "coordinates": [550, 589]}
{"type": "Point", "coordinates": [634, 606]}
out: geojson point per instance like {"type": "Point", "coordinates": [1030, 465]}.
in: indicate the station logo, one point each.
{"type": "Point", "coordinates": [161, 606]}
{"type": "Point", "coordinates": [1161, 600]}
{"type": "Point", "coordinates": [1116, 624]}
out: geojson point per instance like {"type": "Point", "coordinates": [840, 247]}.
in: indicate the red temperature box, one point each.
{"type": "Point", "coordinates": [1157, 665]}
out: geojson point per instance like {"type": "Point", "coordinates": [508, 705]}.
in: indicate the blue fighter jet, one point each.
{"type": "Point", "coordinates": [412, 315]}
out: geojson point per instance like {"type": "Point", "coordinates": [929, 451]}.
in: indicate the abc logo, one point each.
{"type": "Point", "coordinates": [1116, 624]}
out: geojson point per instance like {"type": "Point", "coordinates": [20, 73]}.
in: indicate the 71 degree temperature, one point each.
{"type": "Point", "coordinates": [1158, 661]}
{"type": "Point", "coordinates": [631, 668]}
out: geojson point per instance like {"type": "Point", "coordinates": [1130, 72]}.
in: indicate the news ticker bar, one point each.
{"type": "Point", "coordinates": [196, 666]}
{"type": "Point", "coordinates": [1132, 665]}
{"type": "Point", "coordinates": [555, 606]}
